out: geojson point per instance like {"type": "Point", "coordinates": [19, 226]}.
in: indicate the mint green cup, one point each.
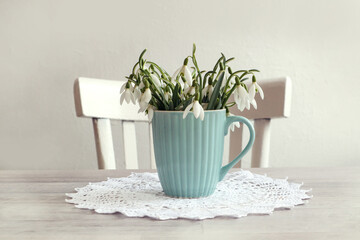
{"type": "Point", "coordinates": [189, 152]}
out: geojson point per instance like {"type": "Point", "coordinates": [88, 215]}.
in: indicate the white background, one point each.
{"type": "Point", "coordinates": [45, 45]}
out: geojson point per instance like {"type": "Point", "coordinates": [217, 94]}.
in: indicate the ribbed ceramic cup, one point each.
{"type": "Point", "coordinates": [189, 152]}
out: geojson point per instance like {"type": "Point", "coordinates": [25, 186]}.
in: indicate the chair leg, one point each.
{"type": "Point", "coordinates": [261, 148]}
{"type": "Point", "coordinates": [104, 143]}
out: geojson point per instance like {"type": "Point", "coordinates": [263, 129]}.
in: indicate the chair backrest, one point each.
{"type": "Point", "coordinates": [99, 100]}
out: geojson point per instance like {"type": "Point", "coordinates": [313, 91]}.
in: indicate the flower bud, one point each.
{"type": "Point", "coordinates": [237, 80]}
{"type": "Point", "coordinates": [146, 83]}
{"type": "Point", "coordinates": [253, 78]}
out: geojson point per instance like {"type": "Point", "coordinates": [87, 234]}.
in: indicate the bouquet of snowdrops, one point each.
{"type": "Point", "coordinates": [189, 88]}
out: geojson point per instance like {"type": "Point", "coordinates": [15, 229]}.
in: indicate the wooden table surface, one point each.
{"type": "Point", "coordinates": [32, 206]}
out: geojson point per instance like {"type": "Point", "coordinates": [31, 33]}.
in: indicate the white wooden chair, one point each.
{"type": "Point", "coordinates": [99, 100]}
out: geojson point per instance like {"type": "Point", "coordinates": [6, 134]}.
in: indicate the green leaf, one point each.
{"type": "Point", "coordinates": [216, 92]}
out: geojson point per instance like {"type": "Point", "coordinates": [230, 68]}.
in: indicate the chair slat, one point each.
{"type": "Point", "coordinates": [261, 148]}
{"type": "Point", "coordinates": [104, 144]}
{"type": "Point", "coordinates": [130, 146]}
{"type": "Point", "coordinates": [152, 153]}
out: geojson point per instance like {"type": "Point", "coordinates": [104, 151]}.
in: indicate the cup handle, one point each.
{"type": "Point", "coordinates": [230, 120]}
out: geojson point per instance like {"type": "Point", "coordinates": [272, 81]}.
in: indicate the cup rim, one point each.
{"type": "Point", "coordinates": [167, 111]}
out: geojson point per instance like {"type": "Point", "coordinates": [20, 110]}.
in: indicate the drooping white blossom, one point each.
{"type": "Point", "coordinates": [190, 90]}
{"type": "Point", "coordinates": [156, 80]}
{"type": "Point", "coordinates": [241, 98]}
{"type": "Point", "coordinates": [208, 90]}
{"type": "Point", "coordinates": [146, 96]}
{"type": "Point", "coordinates": [253, 89]}
{"type": "Point", "coordinates": [128, 96]}
{"type": "Point", "coordinates": [234, 124]}
{"type": "Point", "coordinates": [122, 89]}
{"type": "Point", "coordinates": [196, 108]}
{"type": "Point", "coordinates": [137, 93]}
{"type": "Point", "coordinates": [150, 112]}
{"type": "Point", "coordinates": [184, 69]}
{"type": "Point", "coordinates": [167, 96]}
{"type": "Point", "coordinates": [143, 107]}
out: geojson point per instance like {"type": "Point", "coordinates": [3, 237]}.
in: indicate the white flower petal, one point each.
{"type": "Point", "coordinates": [261, 92]}
{"type": "Point", "coordinates": [247, 103]}
{"type": "Point", "coordinates": [252, 92]}
{"type": "Point", "coordinates": [142, 85]}
{"type": "Point", "coordinates": [123, 87]}
{"type": "Point", "coordinates": [187, 75]}
{"type": "Point", "coordinates": [156, 80]}
{"type": "Point", "coordinates": [146, 96]}
{"type": "Point", "coordinates": [242, 105]}
{"type": "Point", "coordinates": [173, 78]}
{"type": "Point", "coordinates": [202, 114]}
{"type": "Point", "coordinates": [122, 98]}
{"type": "Point", "coordinates": [187, 110]}
{"type": "Point", "coordinates": [253, 102]}
{"type": "Point", "coordinates": [137, 93]}
{"type": "Point", "coordinates": [197, 109]}
{"type": "Point", "coordinates": [127, 96]}
{"type": "Point", "coordinates": [143, 106]}
{"type": "Point", "coordinates": [204, 91]}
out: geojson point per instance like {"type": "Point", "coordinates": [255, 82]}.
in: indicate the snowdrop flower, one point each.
{"type": "Point", "coordinates": [137, 93]}
{"type": "Point", "coordinates": [253, 102]}
{"type": "Point", "coordinates": [167, 96]}
{"type": "Point", "coordinates": [141, 86]}
{"type": "Point", "coordinates": [190, 90]}
{"type": "Point", "coordinates": [197, 109]}
{"type": "Point", "coordinates": [208, 90]}
{"type": "Point", "coordinates": [138, 71]}
{"type": "Point", "coordinates": [156, 80]}
{"type": "Point", "coordinates": [146, 96]}
{"type": "Point", "coordinates": [143, 107]}
{"type": "Point", "coordinates": [127, 94]}
{"type": "Point", "coordinates": [253, 89]}
{"type": "Point", "coordinates": [241, 98]}
{"type": "Point", "coordinates": [148, 108]}
{"type": "Point", "coordinates": [234, 124]}
{"type": "Point", "coordinates": [184, 69]}
{"type": "Point", "coordinates": [150, 112]}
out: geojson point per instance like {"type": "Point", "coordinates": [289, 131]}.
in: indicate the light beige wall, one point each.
{"type": "Point", "coordinates": [45, 45]}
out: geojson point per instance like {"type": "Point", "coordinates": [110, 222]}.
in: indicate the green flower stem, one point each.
{"type": "Point", "coordinates": [231, 76]}
{"type": "Point", "coordinates": [133, 70]}
{"type": "Point", "coordinates": [217, 63]}
{"type": "Point", "coordinates": [163, 72]}
{"type": "Point", "coordinates": [206, 76]}
{"type": "Point", "coordinates": [227, 95]}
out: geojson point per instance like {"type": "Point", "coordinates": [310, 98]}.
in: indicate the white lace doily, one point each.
{"type": "Point", "coordinates": [239, 194]}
